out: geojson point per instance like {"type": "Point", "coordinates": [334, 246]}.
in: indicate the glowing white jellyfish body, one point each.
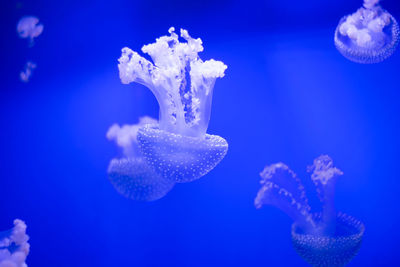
{"type": "Point", "coordinates": [130, 175]}
{"type": "Point", "coordinates": [370, 35]}
{"type": "Point", "coordinates": [178, 147]}
{"type": "Point", "coordinates": [14, 246]}
{"type": "Point", "coordinates": [322, 239]}
{"type": "Point", "coordinates": [26, 74]}
{"type": "Point", "coordinates": [29, 27]}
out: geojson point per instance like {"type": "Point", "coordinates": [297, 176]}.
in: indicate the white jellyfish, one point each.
{"type": "Point", "coordinates": [328, 238]}
{"type": "Point", "coordinates": [370, 35]}
{"type": "Point", "coordinates": [26, 74]}
{"type": "Point", "coordinates": [29, 27]}
{"type": "Point", "coordinates": [14, 246]}
{"type": "Point", "coordinates": [178, 147]}
{"type": "Point", "coordinates": [130, 175]}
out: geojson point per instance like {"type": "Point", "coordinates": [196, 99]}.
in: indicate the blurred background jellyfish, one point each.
{"type": "Point", "coordinates": [328, 238]}
{"type": "Point", "coordinates": [178, 147]}
{"type": "Point", "coordinates": [130, 175]}
{"type": "Point", "coordinates": [370, 35]}
{"type": "Point", "coordinates": [14, 246]}
{"type": "Point", "coordinates": [26, 74]}
{"type": "Point", "coordinates": [29, 27]}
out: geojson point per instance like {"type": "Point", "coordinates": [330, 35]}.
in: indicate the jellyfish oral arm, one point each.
{"type": "Point", "coordinates": [324, 176]}
{"type": "Point", "coordinates": [181, 82]}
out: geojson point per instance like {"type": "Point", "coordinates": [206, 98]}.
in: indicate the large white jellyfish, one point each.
{"type": "Point", "coordinates": [178, 147]}
{"type": "Point", "coordinates": [328, 238]}
{"type": "Point", "coordinates": [14, 246]}
{"type": "Point", "coordinates": [29, 27]}
{"type": "Point", "coordinates": [130, 175]}
{"type": "Point", "coordinates": [26, 74]}
{"type": "Point", "coordinates": [370, 35]}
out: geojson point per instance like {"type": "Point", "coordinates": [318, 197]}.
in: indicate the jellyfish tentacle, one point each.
{"type": "Point", "coordinates": [282, 188]}
{"type": "Point", "coordinates": [14, 246]}
{"type": "Point", "coordinates": [324, 176]}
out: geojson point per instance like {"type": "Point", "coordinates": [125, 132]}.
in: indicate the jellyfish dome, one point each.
{"type": "Point", "coordinates": [327, 238]}
{"type": "Point", "coordinates": [131, 175]}
{"type": "Point", "coordinates": [14, 246]}
{"type": "Point", "coordinates": [178, 147]}
{"type": "Point", "coordinates": [29, 27]}
{"type": "Point", "coordinates": [370, 35]}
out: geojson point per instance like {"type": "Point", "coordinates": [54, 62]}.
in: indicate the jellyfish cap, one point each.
{"type": "Point", "coordinates": [178, 157]}
{"type": "Point", "coordinates": [368, 36]}
{"type": "Point", "coordinates": [181, 82]}
{"type": "Point", "coordinates": [336, 250]}
{"type": "Point", "coordinates": [29, 26]}
{"type": "Point", "coordinates": [135, 179]}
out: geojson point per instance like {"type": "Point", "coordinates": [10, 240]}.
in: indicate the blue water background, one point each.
{"type": "Point", "coordinates": [288, 95]}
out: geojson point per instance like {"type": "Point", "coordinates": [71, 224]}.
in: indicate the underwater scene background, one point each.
{"type": "Point", "coordinates": [288, 95]}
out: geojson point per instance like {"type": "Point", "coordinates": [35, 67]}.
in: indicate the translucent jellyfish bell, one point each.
{"type": "Point", "coordinates": [370, 35]}
{"type": "Point", "coordinates": [322, 239]}
{"type": "Point", "coordinates": [29, 27]}
{"type": "Point", "coordinates": [178, 147]}
{"type": "Point", "coordinates": [131, 175]}
{"type": "Point", "coordinates": [14, 246]}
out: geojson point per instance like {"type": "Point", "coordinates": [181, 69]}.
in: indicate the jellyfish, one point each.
{"type": "Point", "coordinates": [29, 27]}
{"type": "Point", "coordinates": [130, 175]}
{"type": "Point", "coordinates": [370, 35]}
{"type": "Point", "coordinates": [326, 238]}
{"type": "Point", "coordinates": [26, 74]}
{"type": "Point", "coordinates": [14, 246]}
{"type": "Point", "coordinates": [178, 147]}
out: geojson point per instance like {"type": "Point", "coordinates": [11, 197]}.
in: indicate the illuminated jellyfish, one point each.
{"type": "Point", "coordinates": [14, 246]}
{"type": "Point", "coordinates": [29, 27]}
{"type": "Point", "coordinates": [26, 74]}
{"type": "Point", "coordinates": [370, 35]}
{"type": "Point", "coordinates": [178, 147]}
{"type": "Point", "coordinates": [328, 238]}
{"type": "Point", "coordinates": [130, 175]}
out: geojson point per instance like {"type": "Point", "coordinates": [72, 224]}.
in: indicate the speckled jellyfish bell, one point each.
{"type": "Point", "coordinates": [178, 147]}
{"type": "Point", "coordinates": [131, 175]}
{"type": "Point", "coordinates": [14, 246]}
{"type": "Point", "coordinates": [327, 238]}
{"type": "Point", "coordinates": [370, 35]}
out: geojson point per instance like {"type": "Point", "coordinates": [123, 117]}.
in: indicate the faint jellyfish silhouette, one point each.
{"type": "Point", "coordinates": [370, 35]}
{"type": "Point", "coordinates": [26, 74]}
{"type": "Point", "coordinates": [14, 246]}
{"type": "Point", "coordinates": [29, 27]}
{"type": "Point", "coordinates": [178, 147]}
{"type": "Point", "coordinates": [130, 175]}
{"type": "Point", "coordinates": [322, 239]}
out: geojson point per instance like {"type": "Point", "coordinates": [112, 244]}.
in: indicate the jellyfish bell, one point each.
{"type": "Point", "coordinates": [180, 158]}
{"type": "Point", "coordinates": [29, 27]}
{"type": "Point", "coordinates": [370, 35]}
{"type": "Point", "coordinates": [14, 246]}
{"type": "Point", "coordinates": [135, 179]}
{"type": "Point", "coordinates": [182, 83]}
{"type": "Point", "coordinates": [335, 250]}
{"type": "Point", "coordinates": [131, 175]}
{"type": "Point", "coordinates": [328, 238]}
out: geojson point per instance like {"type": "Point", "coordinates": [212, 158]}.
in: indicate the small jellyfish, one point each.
{"type": "Point", "coordinates": [130, 175]}
{"type": "Point", "coordinates": [26, 74]}
{"type": "Point", "coordinates": [29, 27]}
{"type": "Point", "coordinates": [14, 246]}
{"type": "Point", "coordinates": [178, 147]}
{"type": "Point", "coordinates": [327, 238]}
{"type": "Point", "coordinates": [370, 35]}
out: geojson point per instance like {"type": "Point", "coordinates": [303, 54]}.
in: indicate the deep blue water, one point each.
{"type": "Point", "coordinates": [288, 95]}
